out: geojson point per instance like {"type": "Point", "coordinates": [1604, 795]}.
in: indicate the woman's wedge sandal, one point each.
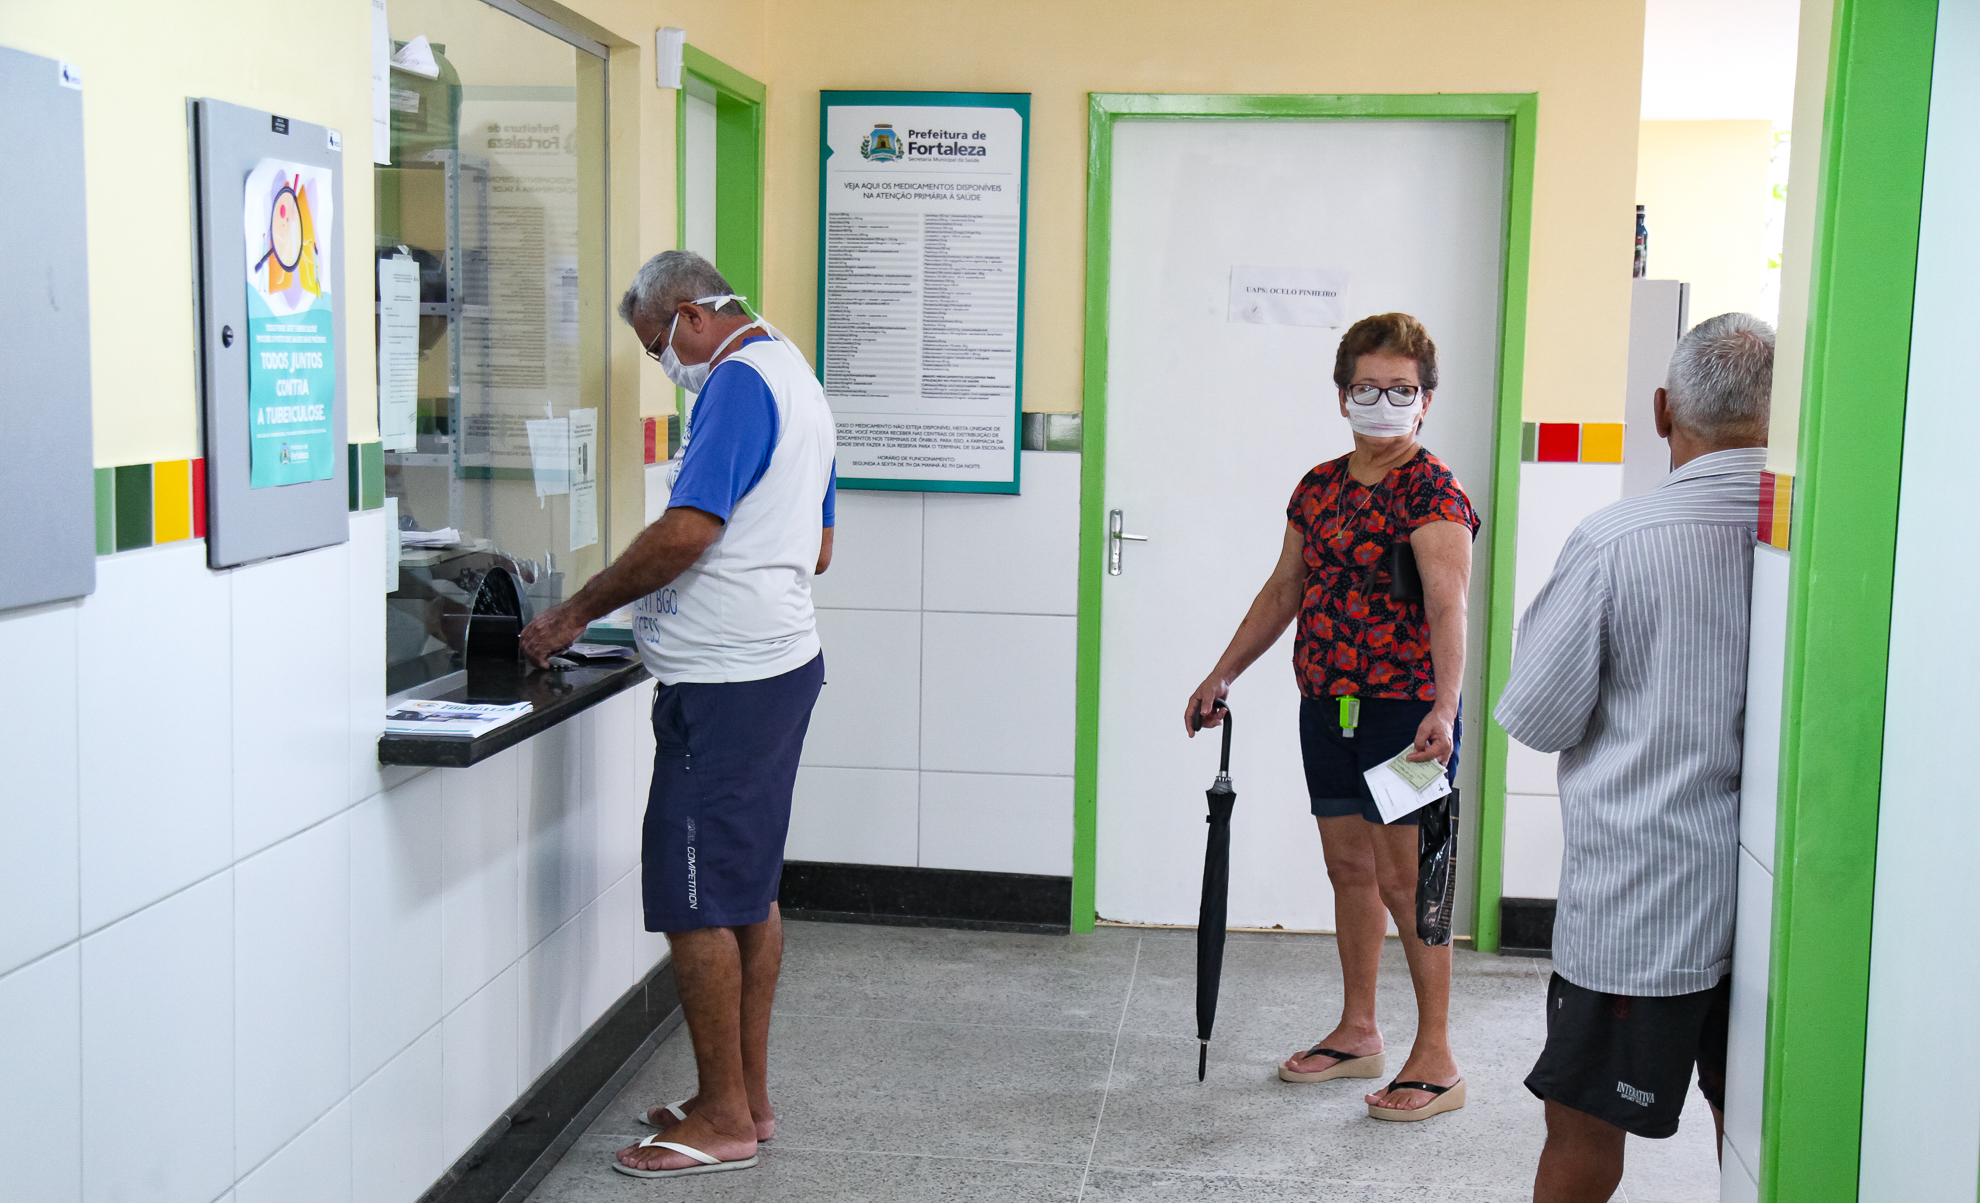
{"type": "Point", "coordinates": [704, 1163]}
{"type": "Point", "coordinates": [1448, 1098]}
{"type": "Point", "coordinates": [1346, 1065]}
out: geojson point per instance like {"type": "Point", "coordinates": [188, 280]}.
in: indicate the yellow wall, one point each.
{"type": "Point", "coordinates": [1704, 188]}
{"type": "Point", "coordinates": [1584, 57]}
{"type": "Point", "coordinates": [141, 60]}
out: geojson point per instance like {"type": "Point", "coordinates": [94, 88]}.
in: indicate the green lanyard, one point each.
{"type": "Point", "coordinates": [1350, 715]}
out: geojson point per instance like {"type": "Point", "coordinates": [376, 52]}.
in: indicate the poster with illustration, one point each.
{"type": "Point", "coordinates": [292, 362]}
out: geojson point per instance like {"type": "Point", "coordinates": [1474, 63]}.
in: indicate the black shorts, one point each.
{"type": "Point", "coordinates": [1627, 1060]}
{"type": "Point", "coordinates": [1335, 763]}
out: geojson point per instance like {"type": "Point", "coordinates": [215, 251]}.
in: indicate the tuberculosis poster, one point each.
{"type": "Point", "coordinates": [921, 283]}
{"type": "Point", "coordinates": [292, 362]}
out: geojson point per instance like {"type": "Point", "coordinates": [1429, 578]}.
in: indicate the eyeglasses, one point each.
{"type": "Point", "coordinates": [1402, 396]}
{"type": "Point", "coordinates": [659, 356]}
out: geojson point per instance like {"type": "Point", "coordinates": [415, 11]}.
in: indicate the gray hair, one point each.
{"type": "Point", "coordinates": [669, 278]}
{"type": "Point", "coordinates": [1722, 377]}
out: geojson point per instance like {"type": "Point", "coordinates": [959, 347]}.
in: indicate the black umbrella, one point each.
{"type": "Point", "coordinates": [1216, 896]}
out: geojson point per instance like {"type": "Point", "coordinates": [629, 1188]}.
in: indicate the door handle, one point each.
{"type": "Point", "coordinates": [1116, 524]}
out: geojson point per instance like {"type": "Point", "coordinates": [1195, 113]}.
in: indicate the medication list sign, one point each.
{"type": "Point", "coordinates": [921, 286]}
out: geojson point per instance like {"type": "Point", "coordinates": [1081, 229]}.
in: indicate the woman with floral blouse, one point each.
{"type": "Point", "coordinates": [1399, 653]}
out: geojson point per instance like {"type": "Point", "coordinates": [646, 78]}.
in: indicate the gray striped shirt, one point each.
{"type": "Point", "coordinates": [1632, 665]}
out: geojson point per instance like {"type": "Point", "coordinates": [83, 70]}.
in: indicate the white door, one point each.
{"type": "Point", "coordinates": [1210, 425]}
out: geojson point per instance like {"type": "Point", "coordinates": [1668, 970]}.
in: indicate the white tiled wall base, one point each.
{"type": "Point", "coordinates": [944, 735]}
{"type": "Point", "coordinates": [335, 976]}
{"type": "Point", "coordinates": [1532, 866]}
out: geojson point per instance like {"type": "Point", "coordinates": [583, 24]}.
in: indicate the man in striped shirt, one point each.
{"type": "Point", "coordinates": [1632, 665]}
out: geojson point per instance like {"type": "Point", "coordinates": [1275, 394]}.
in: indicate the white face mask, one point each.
{"type": "Point", "coordinates": [692, 376]}
{"type": "Point", "coordinates": [1382, 420]}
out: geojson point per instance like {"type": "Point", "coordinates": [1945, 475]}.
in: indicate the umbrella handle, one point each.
{"type": "Point", "coordinates": [1196, 724]}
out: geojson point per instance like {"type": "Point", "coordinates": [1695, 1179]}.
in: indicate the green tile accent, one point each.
{"type": "Point", "coordinates": [1063, 432]}
{"type": "Point", "coordinates": [133, 506]}
{"type": "Point", "coordinates": [371, 459]}
{"type": "Point", "coordinates": [351, 475]}
{"type": "Point", "coordinates": [106, 511]}
{"type": "Point", "coordinates": [1529, 442]}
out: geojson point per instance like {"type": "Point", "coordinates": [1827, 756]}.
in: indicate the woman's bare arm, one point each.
{"type": "Point", "coordinates": [1272, 611]}
{"type": "Point", "coordinates": [1443, 557]}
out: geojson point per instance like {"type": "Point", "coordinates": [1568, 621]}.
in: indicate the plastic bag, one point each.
{"type": "Point", "coordinates": [1436, 868]}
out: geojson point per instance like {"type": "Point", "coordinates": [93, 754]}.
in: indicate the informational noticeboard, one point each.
{"type": "Point", "coordinates": [921, 286]}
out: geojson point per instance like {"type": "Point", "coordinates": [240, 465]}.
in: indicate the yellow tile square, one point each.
{"type": "Point", "coordinates": [1601, 442]}
{"type": "Point", "coordinates": [171, 501]}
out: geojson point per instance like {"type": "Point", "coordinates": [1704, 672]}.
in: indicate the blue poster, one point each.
{"type": "Point", "coordinates": [292, 362]}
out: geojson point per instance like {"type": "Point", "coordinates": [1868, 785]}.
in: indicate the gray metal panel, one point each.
{"type": "Point", "coordinates": [47, 457]}
{"type": "Point", "coordinates": [1656, 321]}
{"type": "Point", "coordinates": [244, 524]}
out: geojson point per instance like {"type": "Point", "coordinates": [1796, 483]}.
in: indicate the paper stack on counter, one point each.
{"type": "Point", "coordinates": [1401, 785]}
{"type": "Point", "coordinates": [455, 719]}
{"type": "Point", "coordinates": [446, 536]}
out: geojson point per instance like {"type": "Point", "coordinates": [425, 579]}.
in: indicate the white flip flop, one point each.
{"type": "Point", "coordinates": [708, 1165]}
{"type": "Point", "coordinates": [673, 1109]}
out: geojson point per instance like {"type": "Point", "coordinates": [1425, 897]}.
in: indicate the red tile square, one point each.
{"type": "Point", "coordinates": [1766, 507]}
{"type": "Point", "coordinates": [199, 499]}
{"type": "Point", "coordinates": [652, 447]}
{"type": "Point", "coordinates": [1560, 442]}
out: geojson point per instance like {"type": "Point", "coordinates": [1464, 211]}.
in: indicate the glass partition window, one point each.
{"type": "Point", "coordinates": [492, 306]}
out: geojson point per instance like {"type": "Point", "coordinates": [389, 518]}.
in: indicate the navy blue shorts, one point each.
{"type": "Point", "coordinates": [724, 762]}
{"type": "Point", "coordinates": [1335, 764]}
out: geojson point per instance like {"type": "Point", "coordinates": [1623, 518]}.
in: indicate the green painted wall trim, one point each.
{"type": "Point", "coordinates": [722, 76]}
{"type": "Point", "coordinates": [133, 488]}
{"type": "Point", "coordinates": [1520, 112]}
{"type": "Point", "coordinates": [1871, 182]}
{"type": "Point", "coordinates": [106, 511]}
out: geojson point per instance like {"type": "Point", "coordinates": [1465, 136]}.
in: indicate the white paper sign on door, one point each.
{"type": "Point", "coordinates": [584, 478]}
{"type": "Point", "coordinates": [398, 353]}
{"type": "Point", "coordinates": [1288, 296]}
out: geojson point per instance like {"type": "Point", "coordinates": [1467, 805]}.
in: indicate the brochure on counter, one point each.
{"type": "Point", "coordinates": [464, 720]}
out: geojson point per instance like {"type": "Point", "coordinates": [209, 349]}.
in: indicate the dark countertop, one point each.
{"type": "Point", "coordinates": [556, 695]}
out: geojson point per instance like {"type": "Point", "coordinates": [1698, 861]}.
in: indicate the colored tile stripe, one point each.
{"type": "Point", "coordinates": [652, 441]}
{"type": "Point", "coordinates": [1571, 442]}
{"type": "Point", "coordinates": [1776, 508]}
{"type": "Point", "coordinates": [138, 505]}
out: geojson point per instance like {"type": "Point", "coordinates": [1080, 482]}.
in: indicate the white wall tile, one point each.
{"type": "Point", "coordinates": [876, 553]}
{"type": "Point", "coordinates": [997, 823]}
{"type": "Point", "coordinates": [292, 694]}
{"type": "Point", "coordinates": [618, 769]}
{"type": "Point", "coordinates": [1532, 865]}
{"type": "Point", "coordinates": [997, 693]}
{"type": "Point", "coordinates": [1736, 1183]}
{"type": "Point", "coordinates": [649, 949]}
{"type": "Point", "coordinates": [478, 1074]}
{"type": "Point", "coordinates": [292, 988]}
{"type": "Point", "coordinates": [315, 1167]}
{"type": "Point", "coordinates": [40, 808]}
{"type": "Point", "coordinates": [991, 552]}
{"type": "Point", "coordinates": [605, 939]}
{"type": "Point", "coordinates": [41, 1088]}
{"type": "Point", "coordinates": [1766, 659]}
{"type": "Point", "coordinates": [1746, 1053]}
{"type": "Point", "coordinates": [481, 880]}
{"type": "Point", "coordinates": [658, 488]}
{"type": "Point", "coordinates": [550, 1002]}
{"type": "Point", "coordinates": [395, 1126]}
{"type": "Point", "coordinates": [395, 921]}
{"type": "Point", "coordinates": [1553, 499]}
{"type": "Point", "coordinates": [154, 704]}
{"type": "Point", "coordinates": [1531, 772]}
{"type": "Point", "coordinates": [557, 849]}
{"type": "Point", "coordinates": [855, 816]}
{"type": "Point", "coordinates": [868, 715]}
{"type": "Point", "coordinates": [366, 663]}
{"type": "Point", "coordinates": [158, 1033]}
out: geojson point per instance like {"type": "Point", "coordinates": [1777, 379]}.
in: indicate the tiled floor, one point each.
{"type": "Point", "coordinates": [912, 1064]}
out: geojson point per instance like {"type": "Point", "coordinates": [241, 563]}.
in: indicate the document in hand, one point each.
{"type": "Point", "coordinates": [427, 719]}
{"type": "Point", "coordinates": [1401, 785]}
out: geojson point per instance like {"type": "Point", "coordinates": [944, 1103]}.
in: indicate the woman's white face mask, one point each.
{"type": "Point", "coordinates": [1384, 421]}
{"type": "Point", "coordinates": [692, 376]}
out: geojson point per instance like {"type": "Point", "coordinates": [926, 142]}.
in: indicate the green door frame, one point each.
{"type": "Point", "coordinates": [1520, 113]}
{"type": "Point", "coordinates": [1843, 549]}
{"type": "Point", "coordinates": [739, 159]}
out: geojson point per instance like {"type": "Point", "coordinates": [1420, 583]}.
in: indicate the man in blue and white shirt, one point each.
{"type": "Point", "coordinates": [724, 622]}
{"type": "Point", "coordinates": [1632, 665]}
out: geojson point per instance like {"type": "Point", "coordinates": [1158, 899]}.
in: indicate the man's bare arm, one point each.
{"type": "Point", "coordinates": [662, 552]}
{"type": "Point", "coordinates": [824, 553]}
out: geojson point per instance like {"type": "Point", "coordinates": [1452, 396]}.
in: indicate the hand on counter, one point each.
{"type": "Point", "coordinates": [554, 630]}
